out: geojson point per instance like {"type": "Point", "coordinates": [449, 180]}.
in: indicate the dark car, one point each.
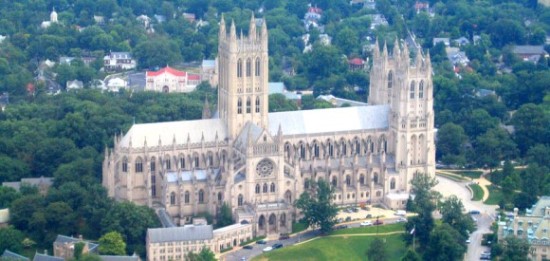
{"type": "Point", "coordinates": [278, 245]}
{"type": "Point", "coordinates": [348, 219]}
{"type": "Point", "coordinates": [340, 227]}
{"type": "Point", "coordinates": [378, 222]}
{"type": "Point", "coordinates": [261, 242]}
{"type": "Point", "coordinates": [369, 215]}
{"type": "Point", "coordinates": [284, 236]}
{"type": "Point", "coordinates": [474, 212]}
{"type": "Point", "coordinates": [248, 247]}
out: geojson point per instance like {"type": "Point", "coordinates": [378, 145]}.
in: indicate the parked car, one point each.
{"type": "Point", "coordinates": [378, 222]}
{"type": "Point", "coordinates": [348, 219]}
{"type": "Point", "coordinates": [267, 249]}
{"type": "Point", "coordinates": [284, 236]}
{"type": "Point", "coordinates": [340, 220]}
{"type": "Point", "coordinates": [355, 210]}
{"type": "Point", "coordinates": [340, 227]}
{"type": "Point", "coordinates": [261, 242]}
{"type": "Point", "coordinates": [474, 212]}
{"type": "Point", "coordinates": [369, 215]}
{"type": "Point", "coordinates": [278, 245]}
{"type": "Point", "coordinates": [401, 220]}
{"type": "Point", "coordinates": [468, 241]}
{"type": "Point", "coordinates": [248, 247]}
{"type": "Point", "coordinates": [366, 224]}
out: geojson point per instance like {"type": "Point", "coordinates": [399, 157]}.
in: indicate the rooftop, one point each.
{"type": "Point", "coordinates": [168, 70]}
{"type": "Point", "coordinates": [185, 233]}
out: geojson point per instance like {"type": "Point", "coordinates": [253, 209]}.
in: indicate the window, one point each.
{"type": "Point", "coordinates": [392, 183]}
{"type": "Point", "coordinates": [421, 90]}
{"type": "Point", "coordinates": [257, 104]}
{"type": "Point", "coordinates": [182, 162]}
{"type": "Point", "coordinates": [153, 185]}
{"type": "Point", "coordinates": [240, 200]}
{"type": "Point", "coordinates": [412, 90]}
{"type": "Point", "coordinates": [331, 149]}
{"type": "Point", "coordinates": [272, 188]}
{"type": "Point", "coordinates": [316, 150]}
{"type": "Point", "coordinates": [125, 165]}
{"type": "Point", "coordinates": [220, 196]}
{"type": "Point", "coordinates": [375, 178]}
{"type": "Point", "coordinates": [248, 105]}
{"type": "Point", "coordinates": [362, 179]}
{"type": "Point", "coordinates": [239, 68]}
{"type": "Point", "coordinates": [153, 165]}
{"type": "Point", "coordinates": [167, 162]}
{"type": "Point", "coordinates": [139, 165]}
{"type": "Point", "coordinates": [348, 180]}
{"type": "Point", "coordinates": [265, 188]}
{"type": "Point", "coordinates": [239, 106]}
{"type": "Point", "coordinates": [196, 161]}
{"type": "Point", "coordinates": [173, 198]}
{"type": "Point", "coordinates": [390, 79]}
{"type": "Point", "coordinates": [257, 188]}
{"type": "Point", "coordinates": [248, 67]}
{"type": "Point", "coordinates": [357, 147]}
{"type": "Point", "coordinates": [186, 197]}
{"type": "Point", "coordinates": [257, 67]}
{"type": "Point", "coordinates": [334, 181]}
{"type": "Point", "coordinates": [306, 184]}
{"type": "Point", "coordinates": [201, 196]}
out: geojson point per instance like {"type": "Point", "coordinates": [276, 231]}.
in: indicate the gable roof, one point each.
{"type": "Point", "coordinates": [168, 70]}
{"type": "Point", "coordinates": [185, 233]}
{"type": "Point", "coordinates": [8, 255]}
{"type": "Point", "coordinates": [329, 120]}
{"type": "Point", "coordinates": [43, 257]}
{"type": "Point", "coordinates": [529, 49]}
{"type": "Point", "coordinates": [62, 239]}
{"type": "Point", "coordinates": [119, 258]}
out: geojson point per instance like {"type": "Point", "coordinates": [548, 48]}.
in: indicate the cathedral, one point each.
{"type": "Point", "coordinates": [259, 162]}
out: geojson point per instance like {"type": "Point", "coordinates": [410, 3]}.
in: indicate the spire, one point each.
{"type": "Point", "coordinates": [223, 34]}
{"type": "Point", "coordinates": [252, 28]}
{"type": "Point", "coordinates": [376, 49]}
{"type": "Point", "coordinates": [233, 31]}
{"type": "Point", "coordinates": [264, 34]}
{"type": "Point", "coordinates": [418, 57]}
{"type": "Point", "coordinates": [405, 52]}
{"type": "Point", "coordinates": [206, 113]}
{"type": "Point", "coordinates": [385, 51]}
{"type": "Point", "coordinates": [396, 50]}
{"type": "Point", "coordinates": [280, 131]}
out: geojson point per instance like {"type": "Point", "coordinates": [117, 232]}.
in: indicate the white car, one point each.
{"type": "Point", "coordinates": [366, 224]}
{"type": "Point", "coordinates": [267, 249]}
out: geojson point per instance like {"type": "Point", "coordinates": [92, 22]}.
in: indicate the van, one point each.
{"type": "Point", "coordinates": [401, 213]}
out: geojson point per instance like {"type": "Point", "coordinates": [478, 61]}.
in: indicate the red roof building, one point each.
{"type": "Point", "coordinates": [169, 79]}
{"type": "Point", "coordinates": [356, 64]}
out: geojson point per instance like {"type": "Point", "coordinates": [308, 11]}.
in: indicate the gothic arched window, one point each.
{"type": "Point", "coordinates": [375, 178]}
{"type": "Point", "coordinates": [390, 79]}
{"type": "Point", "coordinates": [257, 67]}
{"type": "Point", "coordinates": [392, 183]}
{"type": "Point", "coordinates": [239, 68]}
{"type": "Point", "coordinates": [334, 181]}
{"type": "Point", "coordinates": [257, 188]}
{"type": "Point", "coordinates": [421, 90]}
{"type": "Point", "coordinates": [248, 67]}
{"type": "Point", "coordinates": [125, 165]}
{"type": "Point", "coordinates": [248, 104]}
{"type": "Point", "coordinates": [186, 198]}
{"type": "Point", "coordinates": [173, 198]}
{"type": "Point", "coordinates": [182, 162]}
{"type": "Point", "coordinates": [139, 165]}
{"type": "Point", "coordinates": [272, 188]}
{"type": "Point", "coordinates": [201, 196]}
{"type": "Point", "coordinates": [240, 200]}
{"type": "Point", "coordinates": [239, 106]}
{"type": "Point", "coordinates": [257, 104]}
{"type": "Point", "coordinates": [265, 188]}
{"type": "Point", "coordinates": [348, 180]}
{"type": "Point", "coordinates": [362, 179]}
{"type": "Point", "coordinates": [153, 165]}
{"type": "Point", "coordinates": [168, 163]}
{"type": "Point", "coordinates": [412, 90]}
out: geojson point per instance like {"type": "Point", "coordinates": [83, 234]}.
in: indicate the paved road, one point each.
{"type": "Point", "coordinates": [448, 187]}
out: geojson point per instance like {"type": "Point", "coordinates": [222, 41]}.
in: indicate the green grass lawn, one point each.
{"type": "Point", "coordinates": [298, 227]}
{"type": "Point", "coordinates": [336, 248]}
{"type": "Point", "coordinates": [452, 177]}
{"type": "Point", "coordinates": [371, 229]}
{"type": "Point", "coordinates": [478, 192]}
{"type": "Point", "coordinates": [474, 174]}
{"type": "Point", "coordinates": [495, 195]}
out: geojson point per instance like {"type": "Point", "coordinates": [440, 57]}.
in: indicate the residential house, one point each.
{"type": "Point", "coordinates": [461, 41]}
{"type": "Point", "coordinates": [4, 217]}
{"type": "Point", "coordinates": [11, 256]}
{"type": "Point", "coordinates": [46, 257]}
{"type": "Point", "coordinates": [356, 64]}
{"type": "Point", "coordinates": [169, 79]}
{"type": "Point", "coordinates": [456, 56]}
{"type": "Point", "coordinates": [534, 226]}
{"type": "Point", "coordinates": [53, 20]}
{"type": "Point", "coordinates": [279, 88]}
{"type": "Point", "coordinates": [325, 39]}
{"type": "Point", "coordinates": [445, 40]}
{"type": "Point", "coordinates": [4, 100]}
{"type": "Point", "coordinates": [116, 83]}
{"type": "Point", "coordinates": [530, 53]}
{"type": "Point", "coordinates": [421, 6]}
{"type": "Point", "coordinates": [42, 183]}
{"type": "Point", "coordinates": [117, 61]}
{"type": "Point", "coordinates": [74, 85]}
{"type": "Point", "coordinates": [377, 20]}
{"type": "Point", "coordinates": [481, 93]}
{"type": "Point", "coordinates": [87, 60]}
{"type": "Point", "coordinates": [160, 18]}
{"type": "Point", "coordinates": [189, 17]}
{"type": "Point", "coordinates": [64, 246]}
{"type": "Point", "coordinates": [2, 38]}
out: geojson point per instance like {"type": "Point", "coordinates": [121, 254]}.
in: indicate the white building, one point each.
{"type": "Point", "coordinates": [117, 61]}
{"type": "Point", "coordinates": [169, 79]}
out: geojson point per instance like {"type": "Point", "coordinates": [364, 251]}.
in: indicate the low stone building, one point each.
{"type": "Point", "coordinates": [173, 243]}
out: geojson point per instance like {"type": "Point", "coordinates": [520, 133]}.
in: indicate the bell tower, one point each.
{"type": "Point", "coordinates": [243, 77]}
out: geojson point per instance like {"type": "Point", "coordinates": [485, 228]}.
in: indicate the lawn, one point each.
{"type": "Point", "coordinates": [473, 174]}
{"type": "Point", "coordinates": [452, 177]}
{"type": "Point", "coordinates": [371, 229]}
{"type": "Point", "coordinates": [495, 195]}
{"type": "Point", "coordinates": [336, 248]}
{"type": "Point", "coordinates": [298, 227]}
{"type": "Point", "coordinates": [478, 192]}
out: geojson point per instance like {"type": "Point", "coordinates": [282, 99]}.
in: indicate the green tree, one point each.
{"type": "Point", "coordinates": [424, 205]}
{"type": "Point", "coordinates": [347, 40]}
{"type": "Point", "coordinates": [225, 217]}
{"type": "Point", "coordinates": [377, 250]}
{"type": "Point", "coordinates": [112, 244]}
{"type": "Point", "coordinates": [446, 244]}
{"type": "Point", "coordinates": [316, 206]}
{"type": "Point", "coordinates": [7, 195]}
{"type": "Point", "coordinates": [11, 238]}
{"type": "Point", "coordinates": [515, 249]}
{"type": "Point", "coordinates": [452, 211]}
{"type": "Point", "coordinates": [411, 255]}
{"type": "Point", "coordinates": [531, 126]}
{"type": "Point", "coordinates": [278, 103]}
{"type": "Point", "coordinates": [451, 141]}
{"type": "Point", "coordinates": [78, 249]}
{"type": "Point", "coordinates": [494, 146]}
{"type": "Point", "coordinates": [204, 255]}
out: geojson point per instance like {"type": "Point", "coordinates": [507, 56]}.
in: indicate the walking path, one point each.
{"type": "Point", "coordinates": [481, 181]}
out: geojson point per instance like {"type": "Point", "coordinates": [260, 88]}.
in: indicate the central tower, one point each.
{"type": "Point", "coordinates": [243, 77]}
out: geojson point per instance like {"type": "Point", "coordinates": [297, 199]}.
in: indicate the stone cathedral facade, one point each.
{"type": "Point", "coordinates": [259, 162]}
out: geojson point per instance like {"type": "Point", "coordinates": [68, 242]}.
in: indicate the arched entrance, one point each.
{"type": "Point", "coordinates": [272, 223]}
{"type": "Point", "coordinates": [288, 197]}
{"type": "Point", "coordinates": [282, 220]}
{"type": "Point", "coordinates": [165, 89]}
{"type": "Point", "coordinates": [261, 223]}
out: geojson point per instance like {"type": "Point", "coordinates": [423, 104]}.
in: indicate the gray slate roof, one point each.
{"type": "Point", "coordinates": [60, 239]}
{"type": "Point", "coordinates": [8, 255]}
{"type": "Point", "coordinates": [185, 233]}
{"type": "Point", "coordinates": [42, 257]}
{"type": "Point", "coordinates": [119, 258]}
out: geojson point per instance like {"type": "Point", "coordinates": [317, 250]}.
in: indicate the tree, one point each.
{"type": "Point", "coordinates": [411, 255]}
{"type": "Point", "coordinates": [347, 40]}
{"type": "Point", "coordinates": [7, 195]}
{"type": "Point", "coordinates": [377, 250]}
{"type": "Point", "coordinates": [316, 206]}
{"type": "Point", "coordinates": [424, 205]}
{"type": "Point", "coordinates": [204, 255]}
{"type": "Point", "coordinates": [225, 217]}
{"type": "Point", "coordinates": [515, 249]}
{"type": "Point", "coordinates": [112, 244]}
{"type": "Point", "coordinates": [494, 146]}
{"type": "Point", "coordinates": [451, 141]}
{"type": "Point", "coordinates": [531, 126]}
{"type": "Point", "coordinates": [452, 213]}
{"type": "Point", "coordinates": [11, 238]}
{"type": "Point", "coordinates": [446, 244]}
